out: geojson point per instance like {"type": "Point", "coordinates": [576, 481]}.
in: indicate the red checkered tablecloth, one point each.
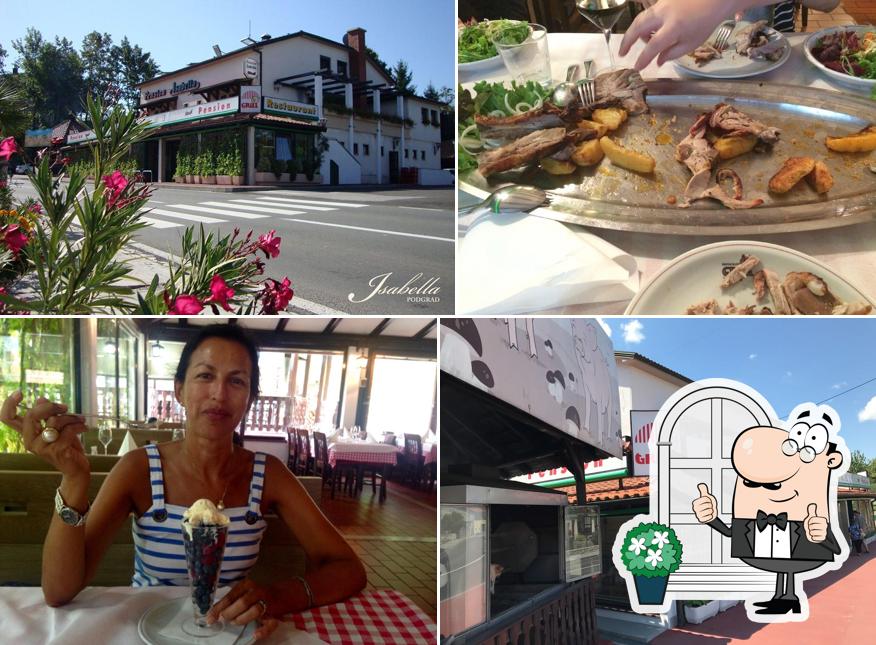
{"type": "Point", "coordinates": [375, 453]}
{"type": "Point", "coordinates": [384, 617]}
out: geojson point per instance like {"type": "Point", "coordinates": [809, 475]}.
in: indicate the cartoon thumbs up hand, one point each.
{"type": "Point", "coordinates": [705, 507]}
{"type": "Point", "coordinates": [816, 527]}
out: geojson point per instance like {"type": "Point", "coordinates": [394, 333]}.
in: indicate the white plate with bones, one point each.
{"type": "Point", "coordinates": [792, 283]}
{"type": "Point", "coordinates": [752, 49]}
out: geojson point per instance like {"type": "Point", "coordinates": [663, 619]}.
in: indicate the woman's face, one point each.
{"type": "Point", "coordinates": [216, 391]}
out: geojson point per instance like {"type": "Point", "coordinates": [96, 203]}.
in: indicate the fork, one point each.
{"type": "Point", "coordinates": [587, 91]}
{"type": "Point", "coordinates": [723, 35]}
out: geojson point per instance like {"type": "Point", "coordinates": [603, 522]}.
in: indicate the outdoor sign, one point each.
{"type": "Point", "coordinates": [561, 371]}
{"type": "Point", "coordinates": [194, 112]}
{"type": "Point", "coordinates": [854, 480]}
{"type": "Point", "coordinates": [251, 98]}
{"type": "Point", "coordinates": [598, 469]}
{"type": "Point", "coordinates": [250, 68]}
{"type": "Point", "coordinates": [37, 138]}
{"type": "Point", "coordinates": [743, 505]}
{"type": "Point", "coordinates": [81, 137]}
{"type": "Point", "coordinates": [282, 107]}
{"type": "Point", "coordinates": [175, 88]}
{"type": "Point", "coordinates": [44, 377]}
{"type": "Point", "coordinates": [641, 422]}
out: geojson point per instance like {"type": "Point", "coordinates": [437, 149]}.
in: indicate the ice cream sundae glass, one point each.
{"type": "Point", "coordinates": [205, 530]}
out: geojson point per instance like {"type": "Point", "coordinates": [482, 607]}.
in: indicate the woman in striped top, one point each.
{"type": "Point", "coordinates": [216, 381]}
{"type": "Point", "coordinates": [673, 28]}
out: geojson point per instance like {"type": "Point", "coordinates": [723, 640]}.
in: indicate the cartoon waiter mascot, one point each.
{"type": "Point", "coordinates": [780, 503]}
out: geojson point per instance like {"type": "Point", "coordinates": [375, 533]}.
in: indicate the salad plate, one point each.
{"type": "Point", "coordinates": [477, 56]}
{"type": "Point", "coordinates": [853, 54]}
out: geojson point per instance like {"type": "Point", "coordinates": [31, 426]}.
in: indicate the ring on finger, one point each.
{"type": "Point", "coordinates": [49, 435]}
{"type": "Point", "coordinates": [264, 607]}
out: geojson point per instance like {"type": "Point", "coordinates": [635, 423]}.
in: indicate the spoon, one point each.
{"type": "Point", "coordinates": [507, 199]}
{"type": "Point", "coordinates": [564, 93]}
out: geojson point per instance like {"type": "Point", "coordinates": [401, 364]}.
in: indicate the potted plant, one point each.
{"type": "Point", "coordinates": [263, 168]}
{"type": "Point", "coordinates": [179, 175]}
{"type": "Point", "coordinates": [651, 551]}
{"type": "Point", "coordinates": [208, 168]}
{"type": "Point", "coordinates": [294, 167]}
{"type": "Point", "coordinates": [223, 169]}
{"type": "Point", "coordinates": [724, 605]}
{"type": "Point", "coordinates": [278, 167]}
{"type": "Point", "coordinates": [236, 166]}
{"type": "Point", "coordinates": [698, 611]}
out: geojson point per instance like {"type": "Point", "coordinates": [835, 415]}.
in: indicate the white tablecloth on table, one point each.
{"type": "Point", "coordinates": [849, 250]}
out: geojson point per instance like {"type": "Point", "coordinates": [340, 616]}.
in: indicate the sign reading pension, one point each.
{"type": "Point", "coordinates": [560, 370]}
{"type": "Point", "coordinates": [194, 112]}
{"type": "Point", "coordinates": [283, 107]}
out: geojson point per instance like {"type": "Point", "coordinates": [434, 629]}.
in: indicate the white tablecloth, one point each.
{"type": "Point", "coordinates": [849, 250]}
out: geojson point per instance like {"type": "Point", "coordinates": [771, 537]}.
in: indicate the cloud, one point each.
{"type": "Point", "coordinates": [839, 385]}
{"type": "Point", "coordinates": [751, 357]}
{"type": "Point", "coordinates": [604, 326]}
{"type": "Point", "coordinates": [789, 374]}
{"type": "Point", "coordinates": [633, 332]}
{"type": "Point", "coordinates": [869, 411]}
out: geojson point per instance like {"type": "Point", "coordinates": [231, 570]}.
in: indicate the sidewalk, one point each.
{"type": "Point", "coordinates": [842, 611]}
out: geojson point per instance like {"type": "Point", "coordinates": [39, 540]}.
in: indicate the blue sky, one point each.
{"type": "Point", "coordinates": [177, 33]}
{"type": "Point", "coordinates": [789, 361]}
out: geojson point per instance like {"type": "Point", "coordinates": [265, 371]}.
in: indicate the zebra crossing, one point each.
{"type": "Point", "coordinates": [171, 215]}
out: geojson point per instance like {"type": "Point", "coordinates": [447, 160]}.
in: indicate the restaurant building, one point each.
{"type": "Point", "coordinates": [326, 109]}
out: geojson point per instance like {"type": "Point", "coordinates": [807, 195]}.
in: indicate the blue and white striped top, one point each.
{"type": "Point", "coordinates": [159, 554]}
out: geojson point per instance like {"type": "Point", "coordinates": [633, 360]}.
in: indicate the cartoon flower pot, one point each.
{"type": "Point", "coordinates": [651, 552]}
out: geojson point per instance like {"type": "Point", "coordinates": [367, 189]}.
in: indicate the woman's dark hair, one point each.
{"type": "Point", "coordinates": [232, 333]}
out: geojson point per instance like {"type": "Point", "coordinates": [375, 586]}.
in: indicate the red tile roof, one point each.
{"type": "Point", "coordinates": [610, 489]}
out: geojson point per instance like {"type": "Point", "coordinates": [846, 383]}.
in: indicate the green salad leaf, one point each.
{"type": "Point", "coordinates": [476, 40]}
{"type": "Point", "coordinates": [491, 97]}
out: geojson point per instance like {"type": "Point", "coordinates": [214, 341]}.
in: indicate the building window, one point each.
{"type": "Point", "coordinates": [435, 117]}
{"type": "Point", "coordinates": [342, 68]}
{"type": "Point", "coordinates": [366, 150]}
{"type": "Point", "coordinates": [424, 112]}
{"type": "Point", "coordinates": [272, 145]}
{"type": "Point", "coordinates": [355, 148]}
{"type": "Point", "coordinates": [423, 155]}
{"type": "Point", "coordinates": [382, 153]}
{"type": "Point", "coordinates": [325, 63]}
{"type": "Point", "coordinates": [406, 154]}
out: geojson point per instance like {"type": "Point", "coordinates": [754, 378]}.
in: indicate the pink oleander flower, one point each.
{"type": "Point", "coordinates": [186, 305]}
{"type": "Point", "coordinates": [220, 292]}
{"type": "Point", "coordinates": [270, 244]}
{"type": "Point", "coordinates": [65, 161]}
{"type": "Point", "coordinates": [14, 237]}
{"type": "Point", "coordinates": [276, 296]}
{"type": "Point", "coordinates": [8, 147]}
{"type": "Point", "coordinates": [36, 208]}
{"type": "Point", "coordinates": [115, 186]}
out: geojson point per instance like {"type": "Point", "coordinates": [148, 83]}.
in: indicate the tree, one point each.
{"type": "Point", "coordinates": [98, 63]}
{"type": "Point", "coordinates": [380, 62]}
{"type": "Point", "coordinates": [859, 462]}
{"type": "Point", "coordinates": [403, 78]}
{"type": "Point", "coordinates": [14, 117]}
{"type": "Point", "coordinates": [134, 66]}
{"type": "Point", "coordinates": [444, 95]}
{"type": "Point", "coordinates": [3, 53]}
{"type": "Point", "coordinates": [431, 93]}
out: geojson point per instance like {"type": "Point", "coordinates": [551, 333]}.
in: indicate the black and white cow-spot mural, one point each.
{"type": "Point", "coordinates": [560, 370]}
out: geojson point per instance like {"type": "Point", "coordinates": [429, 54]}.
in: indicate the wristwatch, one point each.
{"type": "Point", "coordinates": [69, 515]}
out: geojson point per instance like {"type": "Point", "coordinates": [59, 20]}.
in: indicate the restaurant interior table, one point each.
{"type": "Point", "coordinates": [849, 250]}
{"type": "Point", "coordinates": [109, 615]}
{"type": "Point", "coordinates": [364, 454]}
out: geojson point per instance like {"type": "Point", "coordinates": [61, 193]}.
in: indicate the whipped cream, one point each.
{"type": "Point", "coordinates": [204, 513]}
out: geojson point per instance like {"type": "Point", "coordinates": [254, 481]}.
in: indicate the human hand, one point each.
{"type": "Point", "coordinates": [673, 28]}
{"type": "Point", "coordinates": [246, 602]}
{"type": "Point", "coordinates": [816, 527]}
{"type": "Point", "coordinates": [705, 507]}
{"type": "Point", "coordinates": [66, 453]}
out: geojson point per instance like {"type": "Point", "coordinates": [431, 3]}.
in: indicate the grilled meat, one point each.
{"type": "Point", "coordinates": [733, 122]}
{"type": "Point", "coordinates": [519, 125]}
{"type": "Point", "coordinates": [738, 273]}
{"type": "Point", "coordinates": [704, 53]}
{"type": "Point", "coordinates": [760, 286]}
{"type": "Point", "coordinates": [754, 42]}
{"type": "Point", "coordinates": [532, 147]}
{"type": "Point", "coordinates": [705, 308]}
{"type": "Point", "coordinates": [622, 87]}
{"type": "Point", "coordinates": [808, 294]}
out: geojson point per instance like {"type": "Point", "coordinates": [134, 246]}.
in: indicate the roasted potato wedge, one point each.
{"type": "Point", "coordinates": [629, 159]}
{"type": "Point", "coordinates": [588, 153]}
{"type": "Point", "coordinates": [600, 128]}
{"type": "Point", "coordinates": [729, 147]}
{"type": "Point", "coordinates": [610, 117]}
{"type": "Point", "coordinates": [792, 171]}
{"type": "Point", "coordinates": [557, 167]}
{"type": "Point", "coordinates": [820, 178]}
{"type": "Point", "coordinates": [863, 141]}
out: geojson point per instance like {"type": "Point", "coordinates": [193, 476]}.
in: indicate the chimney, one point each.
{"type": "Point", "coordinates": [355, 40]}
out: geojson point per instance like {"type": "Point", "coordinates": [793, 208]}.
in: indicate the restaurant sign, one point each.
{"type": "Point", "coordinates": [81, 137]}
{"type": "Point", "coordinates": [251, 98]}
{"type": "Point", "coordinates": [559, 370]}
{"type": "Point", "coordinates": [175, 88]}
{"type": "Point", "coordinates": [854, 480]}
{"type": "Point", "coordinates": [194, 112]}
{"type": "Point", "coordinates": [641, 422]}
{"type": "Point", "coordinates": [37, 138]}
{"type": "Point", "coordinates": [282, 107]}
{"type": "Point", "coordinates": [598, 469]}
{"type": "Point", "coordinates": [250, 68]}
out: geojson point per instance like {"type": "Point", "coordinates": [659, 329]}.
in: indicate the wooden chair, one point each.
{"type": "Point", "coordinates": [321, 466]}
{"type": "Point", "coordinates": [304, 462]}
{"type": "Point", "coordinates": [413, 459]}
{"type": "Point", "coordinates": [292, 459]}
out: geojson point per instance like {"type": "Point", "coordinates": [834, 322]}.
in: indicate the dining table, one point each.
{"type": "Point", "coordinates": [358, 454]}
{"type": "Point", "coordinates": [849, 250]}
{"type": "Point", "coordinates": [110, 616]}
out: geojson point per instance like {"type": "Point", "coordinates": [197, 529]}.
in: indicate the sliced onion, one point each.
{"type": "Point", "coordinates": [519, 107]}
{"type": "Point", "coordinates": [508, 105]}
{"type": "Point", "coordinates": [497, 113]}
{"type": "Point", "coordinates": [463, 139]}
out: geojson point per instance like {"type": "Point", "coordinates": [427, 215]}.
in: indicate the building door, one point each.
{"type": "Point", "coordinates": [695, 441]}
{"type": "Point", "coordinates": [150, 161]}
{"type": "Point", "coordinates": [334, 173]}
{"type": "Point", "coordinates": [171, 148]}
{"type": "Point", "coordinates": [393, 166]}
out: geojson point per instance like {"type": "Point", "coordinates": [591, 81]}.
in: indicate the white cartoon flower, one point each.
{"type": "Point", "coordinates": [637, 545]}
{"type": "Point", "coordinates": [653, 557]}
{"type": "Point", "coordinates": [660, 539]}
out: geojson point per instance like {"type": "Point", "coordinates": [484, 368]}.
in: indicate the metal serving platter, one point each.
{"type": "Point", "coordinates": [606, 196]}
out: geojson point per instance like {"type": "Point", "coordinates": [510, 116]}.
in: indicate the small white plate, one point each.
{"type": "Point", "coordinates": [731, 64]}
{"type": "Point", "coordinates": [472, 72]}
{"type": "Point", "coordinates": [696, 276]}
{"type": "Point", "coordinates": [154, 623]}
{"type": "Point", "coordinates": [844, 79]}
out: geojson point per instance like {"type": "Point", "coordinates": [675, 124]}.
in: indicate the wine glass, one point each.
{"type": "Point", "coordinates": [105, 435]}
{"type": "Point", "coordinates": [603, 14]}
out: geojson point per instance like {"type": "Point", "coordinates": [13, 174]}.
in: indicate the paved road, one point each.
{"type": "Point", "coordinates": [338, 246]}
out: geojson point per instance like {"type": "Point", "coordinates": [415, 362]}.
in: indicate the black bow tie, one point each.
{"type": "Point", "coordinates": [764, 519]}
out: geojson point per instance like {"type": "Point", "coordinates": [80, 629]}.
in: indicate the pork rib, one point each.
{"type": "Point", "coordinates": [532, 147]}
{"type": "Point", "coordinates": [622, 87]}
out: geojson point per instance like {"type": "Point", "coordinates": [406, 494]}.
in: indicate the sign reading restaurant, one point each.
{"type": "Point", "coordinates": [282, 107]}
